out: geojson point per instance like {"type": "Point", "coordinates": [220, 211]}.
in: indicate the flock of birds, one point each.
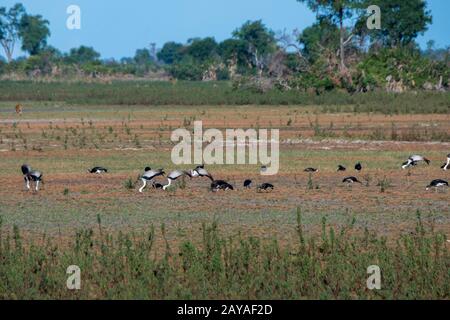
{"type": "Point", "coordinates": [150, 174]}
{"type": "Point", "coordinates": [199, 171]}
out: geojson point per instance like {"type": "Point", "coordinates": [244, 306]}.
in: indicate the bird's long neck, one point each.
{"type": "Point", "coordinates": [406, 165]}
{"type": "Point", "coordinates": [143, 186]}
{"type": "Point", "coordinates": [167, 185]}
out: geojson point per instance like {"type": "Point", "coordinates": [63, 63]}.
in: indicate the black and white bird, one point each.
{"type": "Point", "coordinates": [414, 160]}
{"type": "Point", "coordinates": [358, 166]}
{"type": "Point", "coordinates": [194, 173]}
{"type": "Point", "coordinates": [200, 171]}
{"type": "Point", "coordinates": [341, 168]}
{"type": "Point", "coordinates": [174, 175]}
{"type": "Point", "coordinates": [265, 186]}
{"type": "Point", "coordinates": [31, 175]}
{"type": "Point", "coordinates": [351, 180]}
{"type": "Point", "coordinates": [220, 185]}
{"type": "Point", "coordinates": [98, 170]}
{"type": "Point", "coordinates": [436, 183]}
{"type": "Point", "coordinates": [311, 169]}
{"type": "Point", "coordinates": [408, 164]}
{"type": "Point", "coordinates": [446, 166]}
{"type": "Point", "coordinates": [157, 185]}
{"type": "Point", "coordinates": [248, 184]}
{"type": "Point", "coordinates": [148, 175]}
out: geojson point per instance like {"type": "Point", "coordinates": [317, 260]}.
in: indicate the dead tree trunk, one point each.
{"type": "Point", "coordinates": [341, 40]}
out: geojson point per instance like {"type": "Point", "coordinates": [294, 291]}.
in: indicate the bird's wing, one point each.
{"type": "Point", "coordinates": [203, 172]}
{"type": "Point", "coordinates": [175, 174]}
{"type": "Point", "coordinates": [35, 174]}
{"type": "Point", "coordinates": [151, 174]}
{"type": "Point", "coordinates": [416, 157]}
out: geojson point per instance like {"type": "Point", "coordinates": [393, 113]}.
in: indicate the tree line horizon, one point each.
{"type": "Point", "coordinates": [337, 51]}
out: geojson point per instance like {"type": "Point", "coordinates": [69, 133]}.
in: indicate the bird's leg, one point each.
{"type": "Point", "coordinates": [27, 182]}
{"type": "Point", "coordinates": [37, 185]}
{"type": "Point", "coordinates": [143, 186]}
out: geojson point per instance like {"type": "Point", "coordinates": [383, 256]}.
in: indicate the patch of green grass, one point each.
{"type": "Point", "coordinates": [124, 266]}
{"type": "Point", "coordinates": [217, 93]}
{"type": "Point", "coordinates": [129, 184]}
{"type": "Point", "coordinates": [384, 184]}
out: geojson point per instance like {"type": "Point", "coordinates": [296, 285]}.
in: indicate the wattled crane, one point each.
{"type": "Point", "coordinates": [174, 175]}
{"type": "Point", "coordinates": [148, 175]}
{"type": "Point", "coordinates": [414, 160]}
{"type": "Point", "coordinates": [31, 175]}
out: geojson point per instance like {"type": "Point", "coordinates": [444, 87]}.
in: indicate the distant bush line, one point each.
{"type": "Point", "coordinates": [219, 93]}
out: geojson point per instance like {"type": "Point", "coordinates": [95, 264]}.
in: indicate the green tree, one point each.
{"type": "Point", "coordinates": [9, 28]}
{"type": "Point", "coordinates": [401, 21]}
{"type": "Point", "coordinates": [171, 52]}
{"type": "Point", "coordinates": [232, 49]}
{"type": "Point", "coordinates": [33, 31]}
{"type": "Point", "coordinates": [259, 41]}
{"type": "Point", "coordinates": [82, 55]}
{"type": "Point", "coordinates": [336, 11]}
{"type": "Point", "coordinates": [322, 34]}
{"type": "Point", "coordinates": [202, 49]}
{"type": "Point", "coordinates": [143, 57]}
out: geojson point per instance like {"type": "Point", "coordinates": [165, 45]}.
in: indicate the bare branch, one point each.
{"type": "Point", "coordinates": [348, 39]}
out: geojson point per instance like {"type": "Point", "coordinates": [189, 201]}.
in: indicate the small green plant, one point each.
{"type": "Point", "coordinates": [310, 184]}
{"type": "Point", "coordinates": [129, 184]}
{"type": "Point", "coordinates": [182, 183]}
{"type": "Point", "coordinates": [136, 141]}
{"type": "Point", "coordinates": [384, 184]}
{"type": "Point", "coordinates": [368, 179]}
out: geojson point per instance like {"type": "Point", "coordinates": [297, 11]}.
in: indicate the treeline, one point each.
{"type": "Point", "coordinates": [338, 51]}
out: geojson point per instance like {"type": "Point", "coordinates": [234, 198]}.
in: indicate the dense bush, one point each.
{"type": "Point", "coordinates": [407, 65]}
{"type": "Point", "coordinates": [186, 71]}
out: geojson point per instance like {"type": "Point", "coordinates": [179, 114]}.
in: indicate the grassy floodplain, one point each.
{"type": "Point", "coordinates": [158, 244]}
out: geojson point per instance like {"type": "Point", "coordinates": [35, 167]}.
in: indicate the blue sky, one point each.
{"type": "Point", "coordinates": [117, 28]}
